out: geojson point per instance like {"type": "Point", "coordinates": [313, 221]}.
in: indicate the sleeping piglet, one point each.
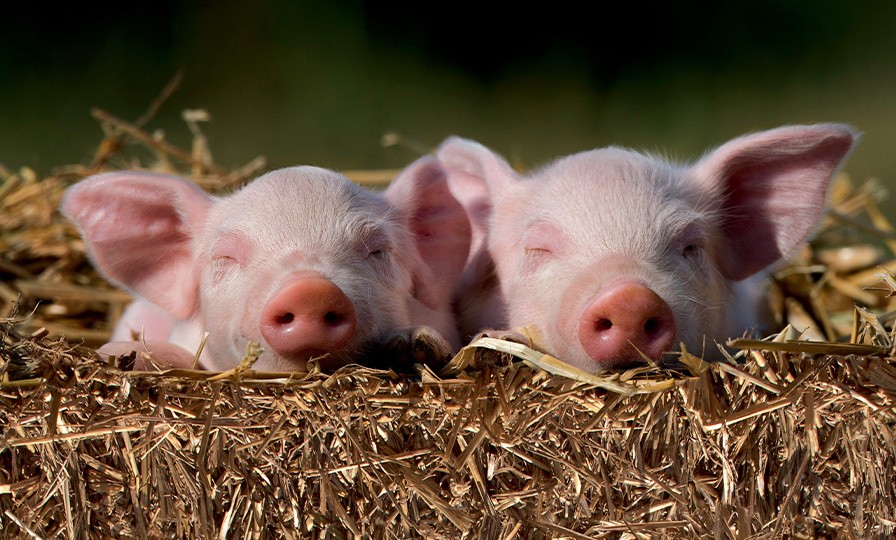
{"type": "Point", "coordinates": [612, 255]}
{"type": "Point", "coordinates": [301, 260]}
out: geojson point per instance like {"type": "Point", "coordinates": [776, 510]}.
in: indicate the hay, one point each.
{"type": "Point", "coordinates": [791, 439]}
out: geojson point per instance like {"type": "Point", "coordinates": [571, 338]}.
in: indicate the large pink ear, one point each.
{"type": "Point", "coordinates": [138, 228]}
{"type": "Point", "coordinates": [773, 186]}
{"type": "Point", "coordinates": [440, 227]}
{"type": "Point", "coordinates": [475, 175]}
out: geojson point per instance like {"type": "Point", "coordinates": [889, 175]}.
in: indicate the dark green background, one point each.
{"type": "Point", "coordinates": [321, 82]}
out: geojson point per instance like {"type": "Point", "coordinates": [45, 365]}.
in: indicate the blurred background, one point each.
{"type": "Point", "coordinates": [322, 82]}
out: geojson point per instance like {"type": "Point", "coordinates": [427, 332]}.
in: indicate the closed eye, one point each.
{"type": "Point", "coordinates": [224, 259]}
{"type": "Point", "coordinates": [536, 256]}
{"type": "Point", "coordinates": [379, 253]}
{"type": "Point", "coordinates": [691, 242]}
{"type": "Point", "coordinates": [542, 239]}
{"type": "Point", "coordinates": [376, 249]}
{"type": "Point", "coordinates": [373, 242]}
{"type": "Point", "coordinates": [231, 247]}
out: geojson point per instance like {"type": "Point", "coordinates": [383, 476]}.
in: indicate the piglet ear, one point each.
{"type": "Point", "coordinates": [773, 186]}
{"type": "Point", "coordinates": [439, 225]}
{"type": "Point", "coordinates": [470, 164]}
{"type": "Point", "coordinates": [138, 228]}
{"type": "Point", "coordinates": [475, 176]}
{"type": "Point", "coordinates": [478, 178]}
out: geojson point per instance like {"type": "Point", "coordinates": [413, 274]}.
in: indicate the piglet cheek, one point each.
{"type": "Point", "coordinates": [570, 308]}
{"type": "Point", "coordinates": [248, 328]}
{"type": "Point", "coordinates": [225, 317]}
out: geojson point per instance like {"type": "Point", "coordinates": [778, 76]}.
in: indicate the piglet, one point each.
{"type": "Point", "coordinates": [614, 256]}
{"type": "Point", "coordinates": [301, 261]}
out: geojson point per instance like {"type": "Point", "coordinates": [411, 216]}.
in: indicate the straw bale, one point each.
{"type": "Point", "coordinates": [790, 438]}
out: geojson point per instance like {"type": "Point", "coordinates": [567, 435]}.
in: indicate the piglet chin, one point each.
{"type": "Point", "coordinates": [327, 361]}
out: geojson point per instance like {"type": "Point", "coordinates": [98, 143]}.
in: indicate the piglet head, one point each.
{"type": "Point", "coordinates": [616, 257]}
{"type": "Point", "coordinates": [301, 260]}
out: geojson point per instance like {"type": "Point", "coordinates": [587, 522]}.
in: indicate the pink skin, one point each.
{"type": "Point", "coordinates": [301, 260]}
{"type": "Point", "coordinates": [144, 320]}
{"type": "Point", "coordinates": [625, 320]}
{"type": "Point", "coordinates": [613, 255]}
{"type": "Point", "coordinates": [310, 316]}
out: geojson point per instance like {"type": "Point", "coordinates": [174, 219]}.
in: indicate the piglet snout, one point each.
{"type": "Point", "coordinates": [624, 319]}
{"type": "Point", "coordinates": [308, 317]}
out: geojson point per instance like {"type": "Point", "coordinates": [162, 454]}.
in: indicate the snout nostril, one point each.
{"type": "Point", "coordinates": [331, 318]}
{"type": "Point", "coordinates": [602, 325]}
{"type": "Point", "coordinates": [285, 318]}
{"type": "Point", "coordinates": [652, 325]}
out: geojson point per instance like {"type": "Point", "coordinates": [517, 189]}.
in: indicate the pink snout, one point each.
{"type": "Point", "coordinates": [625, 321]}
{"type": "Point", "coordinates": [308, 317]}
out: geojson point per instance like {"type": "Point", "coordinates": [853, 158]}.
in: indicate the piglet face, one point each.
{"type": "Point", "coordinates": [609, 255]}
{"type": "Point", "coordinates": [306, 263]}
{"type": "Point", "coordinates": [616, 257]}
{"type": "Point", "coordinates": [301, 261]}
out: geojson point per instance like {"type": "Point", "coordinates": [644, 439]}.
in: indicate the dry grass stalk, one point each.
{"type": "Point", "coordinates": [791, 439]}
